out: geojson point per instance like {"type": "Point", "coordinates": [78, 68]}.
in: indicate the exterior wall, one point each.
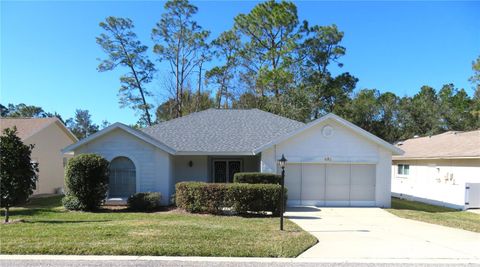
{"type": "Point", "coordinates": [343, 147]}
{"type": "Point", "coordinates": [436, 181]}
{"type": "Point", "coordinates": [152, 165]}
{"type": "Point", "coordinates": [198, 171]}
{"type": "Point", "coordinates": [201, 170]}
{"type": "Point", "coordinates": [47, 152]}
{"type": "Point", "coordinates": [383, 180]}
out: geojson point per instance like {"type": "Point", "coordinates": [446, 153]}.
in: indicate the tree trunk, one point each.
{"type": "Point", "coordinates": [197, 104]}
{"type": "Point", "coordinates": [139, 85]}
{"type": "Point", "coordinates": [7, 216]}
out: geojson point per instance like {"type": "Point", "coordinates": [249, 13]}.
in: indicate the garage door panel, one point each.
{"type": "Point", "coordinates": [337, 183]}
{"type": "Point", "coordinates": [293, 181]}
{"type": "Point", "coordinates": [362, 187]}
{"type": "Point", "coordinates": [313, 182]}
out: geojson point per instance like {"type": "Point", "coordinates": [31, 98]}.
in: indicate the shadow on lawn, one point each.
{"type": "Point", "coordinates": [29, 212]}
{"type": "Point", "coordinates": [66, 221]}
{"type": "Point", "coordinates": [402, 204]}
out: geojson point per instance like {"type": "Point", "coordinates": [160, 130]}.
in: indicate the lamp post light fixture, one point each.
{"type": "Point", "coordinates": [282, 162]}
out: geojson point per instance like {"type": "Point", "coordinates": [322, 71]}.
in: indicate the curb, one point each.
{"type": "Point", "coordinates": [238, 259]}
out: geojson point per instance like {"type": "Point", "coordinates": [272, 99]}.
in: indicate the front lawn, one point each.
{"type": "Point", "coordinates": [49, 229]}
{"type": "Point", "coordinates": [434, 214]}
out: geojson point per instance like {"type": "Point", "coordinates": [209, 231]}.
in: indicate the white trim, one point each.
{"type": "Point", "coordinates": [126, 128]}
{"type": "Point", "coordinates": [395, 150]}
{"type": "Point", "coordinates": [203, 153]}
{"type": "Point", "coordinates": [435, 157]}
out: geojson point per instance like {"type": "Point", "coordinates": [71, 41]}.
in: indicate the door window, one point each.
{"type": "Point", "coordinates": [224, 170]}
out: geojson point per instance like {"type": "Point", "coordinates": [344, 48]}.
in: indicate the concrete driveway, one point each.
{"type": "Point", "coordinates": [372, 233]}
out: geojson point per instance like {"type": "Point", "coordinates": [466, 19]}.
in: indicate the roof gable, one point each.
{"type": "Point", "coordinates": [357, 130]}
{"type": "Point", "coordinates": [138, 134]}
{"type": "Point", "coordinates": [28, 127]}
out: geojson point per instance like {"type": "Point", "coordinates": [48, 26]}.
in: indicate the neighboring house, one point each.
{"type": "Point", "coordinates": [330, 161]}
{"type": "Point", "coordinates": [49, 136]}
{"type": "Point", "coordinates": [442, 169]}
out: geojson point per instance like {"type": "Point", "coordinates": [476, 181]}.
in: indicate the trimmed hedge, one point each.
{"type": "Point", "coordinates": [145, 201]}
{"type": "Point", "coordinates": [216, 198]}
{"type": "Point", "coordinates": [257, 178]}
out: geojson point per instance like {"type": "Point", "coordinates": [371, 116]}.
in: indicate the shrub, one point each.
{"type": "Point", "coordinates": [147, 201]}
{"type": "Point", "coordinates": [71, 202]}
{"type": "Point", "coordinates": [201, 197]}
{"type": "Point", "coordinates": [240, 198]}
{"type": "Point", "coordinates": [86, 179]}
{"type": "Point", "coordinates": [257, 178]}
{"type": "Point", "coordinates": [259, 198]}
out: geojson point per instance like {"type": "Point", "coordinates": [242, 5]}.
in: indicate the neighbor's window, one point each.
{"type": "Point", "coordinates": [403, 169]}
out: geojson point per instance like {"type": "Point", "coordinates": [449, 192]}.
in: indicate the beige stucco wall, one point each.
{"type": "Point", "coordinates": [47, 152]}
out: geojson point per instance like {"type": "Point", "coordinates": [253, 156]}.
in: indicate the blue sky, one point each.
{"type": "Point", "coordinates": [49, 55]}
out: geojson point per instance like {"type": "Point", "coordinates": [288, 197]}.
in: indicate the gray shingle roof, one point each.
{"type": "Point", "coordinates": [222, 130]}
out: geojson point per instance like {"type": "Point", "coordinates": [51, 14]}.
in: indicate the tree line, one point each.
{"type": "Point", "coordinates": [271, 60]}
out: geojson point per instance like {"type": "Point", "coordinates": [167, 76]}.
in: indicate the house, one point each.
{"type": "Point", "coordinates": [49, 136]}
{"type": "Point", "coordinates": [442, 169]}
{"type": "Point", "coordinates": [330, 161]}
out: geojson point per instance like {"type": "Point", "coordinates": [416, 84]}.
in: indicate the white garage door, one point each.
{"type": "Point", "coordinates": [331, 184]}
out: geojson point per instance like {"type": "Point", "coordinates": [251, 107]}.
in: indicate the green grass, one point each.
{"type": "Point", "coordinates": [434, 214]}
{"type": "Point", "coordinates": [49, 229]}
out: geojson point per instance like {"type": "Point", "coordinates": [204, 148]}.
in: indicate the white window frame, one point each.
{"type": "Point", "coordinates": [401, 169]}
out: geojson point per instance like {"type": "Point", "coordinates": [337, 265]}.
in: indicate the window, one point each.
{"type": "Point", "coordinates": [403, 169]}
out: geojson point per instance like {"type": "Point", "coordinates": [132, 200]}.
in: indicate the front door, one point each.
{"type": "Point", "coordinates": [223, 170]}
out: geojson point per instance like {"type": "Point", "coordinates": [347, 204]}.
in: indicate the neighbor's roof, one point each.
{"type": "Point", "coordinates": [26, 127]}
{"type": "Point", "coordinates": [222, 131]}
{"type": "Point", "coordinates": [446, 145]}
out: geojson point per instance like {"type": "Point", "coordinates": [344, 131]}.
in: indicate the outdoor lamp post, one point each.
{"type": "Point", "coordinates": [282, 162]}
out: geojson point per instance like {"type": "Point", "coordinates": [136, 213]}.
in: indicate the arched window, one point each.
{"type": "Point", "coordinates": [122, 181]}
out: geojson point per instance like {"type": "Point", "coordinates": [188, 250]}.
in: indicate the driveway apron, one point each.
{"type": "Point", "coordinates": [373, 233]}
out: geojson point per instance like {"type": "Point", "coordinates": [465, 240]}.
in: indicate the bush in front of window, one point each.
{"type": "Point", "coordinates": [240, 198]}
{"type": "Point", "coordinates": [86, 179]}
{"type": "Point", "coordinates": [256, 178]}
{"type": "Point", "coordinates": [145, 201]}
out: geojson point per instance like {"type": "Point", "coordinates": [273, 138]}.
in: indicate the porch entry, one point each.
{"type": "Point", "coordinates": [224, 169]}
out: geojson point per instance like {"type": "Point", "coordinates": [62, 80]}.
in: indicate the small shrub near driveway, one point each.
{"type": "Point", "coordinates": [86, 179]}
{"type": "Point", "coordinates": [238, 197]}
{"type": "Point", "coordinates": [257, 178]}
{"type": "Point", "coordinates": [147, 201]}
